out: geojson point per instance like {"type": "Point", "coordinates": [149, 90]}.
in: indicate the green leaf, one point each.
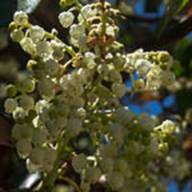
{"type": "Point", "coordinates": [173, 7]}
{"type": "Point", "coordinates": [182, 5]}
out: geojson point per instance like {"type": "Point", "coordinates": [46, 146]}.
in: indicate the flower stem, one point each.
{"type": "Point", "coordinates": [51, 177]}
{"type": "Point", "coordinates": [72, 183]}
{"type": "Point", "coordinates": [103, 17]}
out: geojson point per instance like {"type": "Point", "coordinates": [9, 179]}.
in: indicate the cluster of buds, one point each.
{"type": "Point", "coordinates": [75, 90]}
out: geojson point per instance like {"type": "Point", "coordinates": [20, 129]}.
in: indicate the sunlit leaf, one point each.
{"type": "Point", "coordinates": [173, 7]}
{"type": "Point", "coordinates": [27, 5]}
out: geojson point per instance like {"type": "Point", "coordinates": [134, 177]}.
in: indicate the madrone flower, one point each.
{"type": "Point", "coordinates": [78, 99]}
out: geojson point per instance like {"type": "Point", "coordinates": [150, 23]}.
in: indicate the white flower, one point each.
{"type": "Point", "coordinates": [32, 167]}
{"type": "Point", "coordinates": [74, 42]}
{"type": "Point", "coordinates": [51, 67]}
{"type": "Point", "coordinates": [27, 85]}
{"type": "Point", "coordinates": [17, 35]}
{"type": "Point", "coordinates": [90, 55]}
{"type": "Point", "coordinates": [89, 60]}
{"type": "Point", "coordinates": [138, 84]}
{"type": "Point", "coordinates": [46, 89]}
{"type": "Point", "coordinates": [109, 56]}
{"type": "Point", "coordinates": [81, 113]}
{"type": "Point", "coordinates": [119, 89]}
{"type": "Point", "coordinates": [66, 19]}
{"type": "Point", "coordinates": [41, 106]}
{"type": "Point", "coordinates": [143, 66]}
{"type": "Point", "coordinates": [22, 131]}
{"type": "Point", "coordinates": [28, 45]}
{"type": "Point", "coordinates": [87, 11]}
{"type": "Point", "coordinates": [110, 31]}
{"type": "Point", "coordinates": [44, 49]}
{"type": "Point", "coordinates": [66, 82]}
{"type": "Point", "coordinates": [19, 113]}
{"type": "Point", "coordinates": [82, 41]}
{"type": "Point", "coordinates": [20, 18]}
{"type": "Point", "coordinates": [153, 78]}
{"type": "Point", "coordinates": [26, 102]}
{"type": "Point", "coordinates": [103, 70]}
{"type": "Point", "coordinates": [58, 52]}
{"type": "Point", "coordinates": [36, 33]}
{"type": "Point", "coordinates": [10, 105]}
{"type": "Point", "coordinates": [83, 75]}
{"type": "Point", "coordinates": [38, 121]}
{"type": "Point", "coordinates": [168, 126]}
{"type": "Point", "coordinates": [72, 85]}
{"type": "Point", "coordinates": [23, 147]}
{"type": "Point", "coordinates": [76, 31]}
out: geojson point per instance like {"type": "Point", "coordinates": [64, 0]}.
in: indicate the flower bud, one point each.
{"type": "Point", "coordinates": [66, 19]}
{"type": "Point", "coordinates": [20, 18]}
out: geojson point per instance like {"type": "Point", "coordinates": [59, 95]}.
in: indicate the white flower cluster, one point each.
{"type": "Point", "coordinates": [153, 68]}
{"type": "Point", "coordinates": [83, 100]}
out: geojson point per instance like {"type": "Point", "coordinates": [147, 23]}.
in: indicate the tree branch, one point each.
{"type": "Point", "coordinates": [171, 35]}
